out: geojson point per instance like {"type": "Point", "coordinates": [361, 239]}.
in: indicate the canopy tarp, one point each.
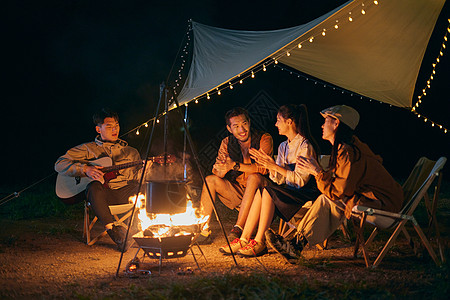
{"type": "Point", "coordinates": [377, 54]}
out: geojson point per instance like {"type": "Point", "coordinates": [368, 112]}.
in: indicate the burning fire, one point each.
{"type": "Point", "coordinates": [161, 223]}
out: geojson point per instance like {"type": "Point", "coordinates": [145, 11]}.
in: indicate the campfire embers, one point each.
{"type": "Point", "coordinates": [165, 235]}
{"type": "Point", "coordinates": [166, 241]}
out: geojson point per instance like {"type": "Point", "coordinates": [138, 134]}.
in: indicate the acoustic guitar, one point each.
{"type": "Point", "coordinates": [71, 189]}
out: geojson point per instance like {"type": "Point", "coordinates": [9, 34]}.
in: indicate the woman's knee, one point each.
{"type": "Point", "coordinates": [254, 178]}
{"type": "Point", "coordinates": [211, 179]}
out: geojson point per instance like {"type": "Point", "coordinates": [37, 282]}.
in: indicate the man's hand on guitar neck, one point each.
{"type": "Point", "coordinates": [94, 172]}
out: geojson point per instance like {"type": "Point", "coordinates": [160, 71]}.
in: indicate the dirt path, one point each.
{"type": "Point", "coordinates": [47, 259]}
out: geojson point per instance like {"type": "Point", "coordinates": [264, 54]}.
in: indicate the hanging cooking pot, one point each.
{"type": "Point", "coordinates": [166, 196]}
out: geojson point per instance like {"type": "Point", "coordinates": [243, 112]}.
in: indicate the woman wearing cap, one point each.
{"type": "Point", "coordinates": [293, 187]}
{"type": "Point", "coordinates": [355, 176]}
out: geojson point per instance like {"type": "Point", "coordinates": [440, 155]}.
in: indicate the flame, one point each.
{"type": "Point", "coordinates": [182, 219]}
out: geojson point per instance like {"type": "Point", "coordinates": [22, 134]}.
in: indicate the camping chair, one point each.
{"type": "Point", "coordinates": [285, 228]}
{"type": "Point", "coordinates": [120, 213]}
{"type": "Point", "coordinates": [414, 189]}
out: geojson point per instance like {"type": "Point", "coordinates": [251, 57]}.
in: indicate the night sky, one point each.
{"type": "Point", "coordinates": [66, 59]}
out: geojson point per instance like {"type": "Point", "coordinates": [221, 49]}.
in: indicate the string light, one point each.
{"type": "Point", "coordinates": [288, 52]}
{"type": "Point", "coordinates": [231, 86]}
{"type": "Point", "coordinates": [219, 93]}
{"type": "Point", "coordinates": [137, 132]}
{"type": "Point", "coordinates": [146, 124]}
{"type": "Point", "coordinates": [428, 86]}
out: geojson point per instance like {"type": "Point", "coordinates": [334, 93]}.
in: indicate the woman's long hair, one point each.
{"type": "Point", "coordinates": [343, 135]}
{"type": "Point", "coordinates": [299, 115]}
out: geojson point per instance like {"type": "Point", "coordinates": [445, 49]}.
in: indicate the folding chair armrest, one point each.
{"type": "Point", "coordinates": [372, 211]}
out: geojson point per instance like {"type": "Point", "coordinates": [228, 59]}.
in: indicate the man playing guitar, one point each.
{"type": "Point", "coordinates": [102, 191]}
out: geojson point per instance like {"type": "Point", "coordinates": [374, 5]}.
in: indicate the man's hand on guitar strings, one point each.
{"type": "Point", "coordinates": [93, 172]}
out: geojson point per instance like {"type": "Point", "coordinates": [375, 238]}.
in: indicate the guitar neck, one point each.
{"type": "Point", "coordinates": [122, 166]}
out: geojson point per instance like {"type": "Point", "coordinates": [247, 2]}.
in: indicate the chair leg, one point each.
{"type": "Point", "coordinates": [389, 243]}
{"type": "Point", "coordinates": [344, 230]}
{"type": "Point", "coordinates": [86, 231]}
{"type": "Point", "coordinates": [372, 236]}
{"type": "Point", "coordinates": [281, 227]}
{"type": "Point", "coordinates": [425, 242]}
{"type": "Point", "coordinates": [360, 241]}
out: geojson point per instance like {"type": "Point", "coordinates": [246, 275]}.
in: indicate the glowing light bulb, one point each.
{"type": "Point", "coordinates": [299, 46]}
{"type": "Point", "coordinates": [231, 86]}
{"type": "Point", "coordinates": [375, 2]}
{"type": "Point", "coordinates": [425, 120]}
{"type": "Point", "coordinates": [440, 53]}
{"type": "Point", "coordinates": [146, 125]}
{"type": "Point", "coordinates": [311, 39]}
{"type": "Point", "coordinates": [336, 26]}
{"type": "Point", "coordinates": [363, 11]}
{"type": "Point", "coordinates": [437, 59]}
{"type": "Point", "coordinates": [288, 54]}
{"type": "Point", "coordinates": [186, 104]}
{"type": "Point", "coordinates": [207, 96]}
{"type": "Point", "coordinates": [219, 93]}
{"type": "Point", "coordinates": [157, 121]}
{"type": "Point", "coordinates": [240, 81]}
{"type": "Point", "coordinates": [196, 101]}
{"type": "Point", "coordinates": [350, 19]}
{"type": "Point", "coordinates": [137, 132]}
{"type": "Point", "coordinates": [253, 75]}
{"type": "Point", "coordinates": [264, 68]}
{"type": "Point", "coordinates": [276, 61]}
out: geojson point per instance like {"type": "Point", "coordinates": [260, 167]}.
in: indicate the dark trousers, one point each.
{"type": "Point", "coordinates": [101, 197]}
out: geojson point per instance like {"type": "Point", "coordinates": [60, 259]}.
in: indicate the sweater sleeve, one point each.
{"type": "Point", "coordinates": [72, 163]}
{"type": "Point", "coordinates": [266, 145]}
{"type": "Point", "coordinates": [342, 182]}
{"type": "Point", "coordinates": [298, 178]}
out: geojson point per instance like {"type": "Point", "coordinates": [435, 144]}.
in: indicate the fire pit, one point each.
{"type": "Point", "coordinates": [174, 244]}
{"type": "Point", "coordinates": [165, 236]}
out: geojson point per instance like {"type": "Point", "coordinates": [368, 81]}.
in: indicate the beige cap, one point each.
{"type": "Point", "coordinates": [346, 114]}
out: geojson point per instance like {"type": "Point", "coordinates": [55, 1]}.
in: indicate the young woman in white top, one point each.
{"type": "Point", "coordinates": [292, 188]}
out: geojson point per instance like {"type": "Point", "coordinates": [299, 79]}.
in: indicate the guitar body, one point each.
{"type": "Point", "coordinates": [71, 189]}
